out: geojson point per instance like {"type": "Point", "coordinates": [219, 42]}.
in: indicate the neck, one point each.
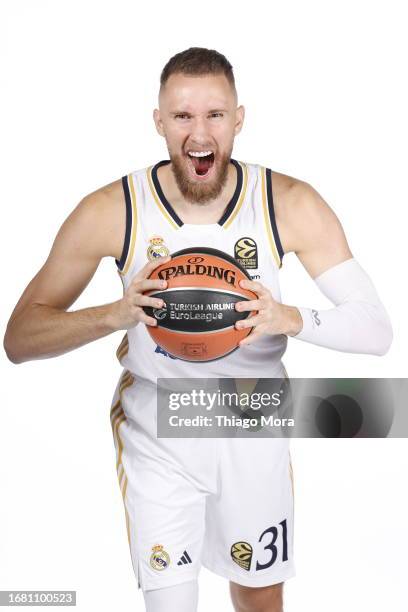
{"type": "Point", "coordinates": [191, 212]}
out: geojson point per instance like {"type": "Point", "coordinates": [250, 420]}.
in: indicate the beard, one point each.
{"type": "Point", "coordinates": [200, 192]}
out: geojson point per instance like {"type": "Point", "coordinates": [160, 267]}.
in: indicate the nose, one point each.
{"type": "Point", "coordinates": [200, 133]}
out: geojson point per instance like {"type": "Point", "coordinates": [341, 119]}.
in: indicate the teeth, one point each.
{"type": "Point", "coordinates": [199, 153]}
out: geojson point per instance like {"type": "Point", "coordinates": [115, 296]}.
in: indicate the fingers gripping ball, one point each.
{"type": "Point", "coordinates": [198, 320]}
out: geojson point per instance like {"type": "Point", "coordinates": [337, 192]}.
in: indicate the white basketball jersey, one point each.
{"type": "Point", "coordinates": [246, 231]}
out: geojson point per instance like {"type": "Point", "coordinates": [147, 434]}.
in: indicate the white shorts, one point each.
{"type": "Point", "coordinates": [224, 503]}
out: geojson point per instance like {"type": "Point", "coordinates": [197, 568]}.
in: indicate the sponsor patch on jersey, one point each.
{"type": "Point", "coordinates": [246, 253]}
{"type": "Point", "coordinates": [159, 559]}
{"type": "Point", "coordinates": [241, 553]}
{"type": "Point", "coordinates": [156, 248]}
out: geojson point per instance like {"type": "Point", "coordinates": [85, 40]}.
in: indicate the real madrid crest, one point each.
{"type": "Point", "coordinates": [159, 559]}
{"type": "Point", "coordinates": [156, 248]}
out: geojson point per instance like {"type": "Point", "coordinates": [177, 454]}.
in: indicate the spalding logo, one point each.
{"type": "Point", "coordinates": [212, 271]}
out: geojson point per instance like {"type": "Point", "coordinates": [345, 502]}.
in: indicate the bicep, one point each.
{"type": "Point", "coordinates": [321, 240]}
{"type": "Point", "coordinates": [74, 257]}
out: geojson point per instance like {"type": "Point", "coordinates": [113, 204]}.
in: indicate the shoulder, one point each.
{"type": "Point", "coordinates": [104, 198]}
{"type": "Point", "coordinates": [291, 193]}
{"type": "Point", "coordinates": [302, 214]}
{"type": "Point", "coordinates": [103, 211]}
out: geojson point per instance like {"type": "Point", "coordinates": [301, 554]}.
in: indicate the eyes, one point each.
{"type": "Point", "coordinates": [186, 116]}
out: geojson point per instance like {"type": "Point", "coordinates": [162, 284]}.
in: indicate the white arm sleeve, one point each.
{"type": "Point", "coordinates": [358, 324]}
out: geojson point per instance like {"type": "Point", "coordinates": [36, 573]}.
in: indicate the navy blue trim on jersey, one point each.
{"type": "Point", "coordinates": [271, 211]}
{"type": "Point", "coordinates": [126, 243]}
{"type": "Point", "coordinates": [231, 204]}
{"type": "Point", "coordinates": [161, 195]}
{"type": "Point", "coordinates": [228, 211]}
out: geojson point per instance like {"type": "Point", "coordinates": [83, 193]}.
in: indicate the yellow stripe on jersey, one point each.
{"type": "Point", "coordinates": [122, 349]}
{"type": "Point", "coordinates": [117, 418]}
{"type": "Point", "coordinates": [268, 221]}
{"type": "Point", "coordinates": [133, 226]}
{"type": "Point", "coordinates": [134, 221]}
{"type": "Point", "coordinates": [117, 425]}
{"type": "Point", "coordinates": [157, 199]}
{"type": "Point", "coordinates": [124, 489]}
{"type": "Point", "coordinates": [241, 198]}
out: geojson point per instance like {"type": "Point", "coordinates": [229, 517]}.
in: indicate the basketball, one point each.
{"type": "Point", "coordinates": [198, 320]}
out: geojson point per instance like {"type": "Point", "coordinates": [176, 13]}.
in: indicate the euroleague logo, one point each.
{"type": "Point", "coordinates": [241, 553]}
{"type": "Point", "coordinates": [160, 313]}
{"type": "Point", "coordinates": [246, 253]}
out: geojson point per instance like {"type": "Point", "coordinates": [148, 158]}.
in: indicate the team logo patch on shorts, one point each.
{"type": "Point", "coordinates": [156, 248]}
{"type": "Point", "coordinates": [241, 553]}
{"type": "Point", "coordinates": [159, 559]}
{"type": "Point", "coordinates": [246, 253]}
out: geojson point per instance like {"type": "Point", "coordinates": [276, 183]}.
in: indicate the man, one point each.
{"type": "Point", "coordinates": [225, 503]}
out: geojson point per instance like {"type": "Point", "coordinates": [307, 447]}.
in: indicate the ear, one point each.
{"type": "Point", "coordinates": [158, 122]}
{"type": "Point", "coordinates": [239, 119]}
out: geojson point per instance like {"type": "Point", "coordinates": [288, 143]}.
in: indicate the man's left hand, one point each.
{"type": "Point", "coordinates": [272, 316]}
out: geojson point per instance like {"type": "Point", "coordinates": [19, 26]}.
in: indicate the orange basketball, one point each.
{"type": "Point", "coordinates": [198, 320]}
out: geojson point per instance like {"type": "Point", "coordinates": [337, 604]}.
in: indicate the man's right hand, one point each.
{"type": "Point", "coordinates": [128, 311]}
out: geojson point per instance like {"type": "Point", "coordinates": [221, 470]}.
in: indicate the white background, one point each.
{"type": "Point", "coordinates": [324, 86]}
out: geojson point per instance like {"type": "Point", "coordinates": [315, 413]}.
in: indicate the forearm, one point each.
{"type": "Point", "coordinates": [358, 324]}
{"type": "Point", "coordinates": [42, 331]}
{"type": "Point", "coordinates": [354, 327]}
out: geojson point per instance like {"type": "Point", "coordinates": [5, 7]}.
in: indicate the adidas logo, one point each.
{"type": "Point", "coordinates": [184, 559]}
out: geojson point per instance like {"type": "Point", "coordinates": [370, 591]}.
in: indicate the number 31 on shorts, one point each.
{"type": "Point", "coordinates": [275, 540]}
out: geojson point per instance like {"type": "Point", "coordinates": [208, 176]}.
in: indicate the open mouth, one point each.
{"type": "Point", "coordinates": [202, 162]}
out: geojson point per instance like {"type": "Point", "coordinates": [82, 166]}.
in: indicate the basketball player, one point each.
{"type": "Point", "coordinates": [224, 503]}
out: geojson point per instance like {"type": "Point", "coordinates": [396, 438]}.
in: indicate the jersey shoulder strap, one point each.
{"type": "Point", "coordinates": [269, 215]}
{"type": "Point", "coordinates": [129, 191]}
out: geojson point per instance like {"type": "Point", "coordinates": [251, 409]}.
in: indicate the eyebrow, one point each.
{"type": "Point", "coordinates": [184, 112]}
